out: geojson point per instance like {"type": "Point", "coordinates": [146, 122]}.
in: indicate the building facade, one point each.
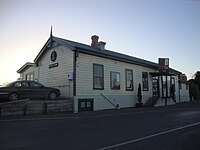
{"type": "Point", "coordinates": [95, 78]}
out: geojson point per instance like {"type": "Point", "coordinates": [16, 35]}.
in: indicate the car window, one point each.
{"type": "Point", "coordinates": [36, 85]}
{"type": "Point", "coordinates": [21, 84]}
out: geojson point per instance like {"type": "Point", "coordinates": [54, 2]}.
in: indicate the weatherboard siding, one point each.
{"type": "Point", "coordinates": [57, 76]}
{"type": "Point", "coordinates": [84, 82]}
{"type": "Point", "coordinates": [30, 70]}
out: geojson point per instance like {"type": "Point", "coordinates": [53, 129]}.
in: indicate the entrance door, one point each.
{"type": "Point", "coordinates": [173, 89]}
{"type": "Point", "coordinates": [155, 88]}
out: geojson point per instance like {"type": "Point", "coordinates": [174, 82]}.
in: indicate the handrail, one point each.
{"type": "Point", "coordinates": [151, 101]}
{"type": "Point", "coordinates": [116, 106]}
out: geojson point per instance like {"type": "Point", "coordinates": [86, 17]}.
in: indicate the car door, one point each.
{"type": "Point", "coordinates": [22, 88]}
{"type": "Point", "coordinates": [38, 90]}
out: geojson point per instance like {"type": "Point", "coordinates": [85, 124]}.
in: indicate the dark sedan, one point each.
{"type": "Point", "coordinates": [28, 89]}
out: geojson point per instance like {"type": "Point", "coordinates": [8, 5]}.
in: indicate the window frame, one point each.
{"type": "Point", "coordinates": [131, 80]}
{"type": "Point", "coordinates": [30, 76]}
{"type": "Point", "coordinates": [145, 82]}
{"type": "Point", "coordinates": [111, 81]}
{"type": "Point", "coordinates": [102, 78]}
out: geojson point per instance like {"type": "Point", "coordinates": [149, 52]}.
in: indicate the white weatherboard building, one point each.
{"type": "Point", "coordinates": [94, 78]}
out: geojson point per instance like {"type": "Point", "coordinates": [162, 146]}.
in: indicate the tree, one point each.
{"type": "Point", "coordinates": [197, 78]}
{"type": "Point", "coordinates": [194, 91]}
{"type": "Point", "coordinates": [194, 87]}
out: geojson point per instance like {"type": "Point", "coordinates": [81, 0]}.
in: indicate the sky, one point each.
{"type": "Point", "coordinates": [147, 29]}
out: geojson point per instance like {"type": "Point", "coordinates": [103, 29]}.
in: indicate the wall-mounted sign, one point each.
{"type": "Point", "coordinates": [53, 56]}
{"type": "Point", "coordinates": [53, 65]}
{"type": "Point", "coordinates": [163, 64]}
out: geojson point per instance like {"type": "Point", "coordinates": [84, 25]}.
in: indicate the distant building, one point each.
{"type": "Point", "coordinates": [95, 78]}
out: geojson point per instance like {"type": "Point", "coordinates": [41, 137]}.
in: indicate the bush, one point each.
{"type": "Point", "coordinates": [194, 91]}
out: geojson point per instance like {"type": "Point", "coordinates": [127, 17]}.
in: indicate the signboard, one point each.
{"type": "Point", "coordinates": [163, 64]}
{"type": "Point", "coordinates": [53, 65]}
{"type": "Point", "coordinates": [53, 56]}
{"type": "Point", "coordinates": [53, 59]}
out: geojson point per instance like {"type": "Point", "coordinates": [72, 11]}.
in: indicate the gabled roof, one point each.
{"type": "Point", "coordinates": [25, 66]}
{"type": "Point", "coordinates": [102, 53]}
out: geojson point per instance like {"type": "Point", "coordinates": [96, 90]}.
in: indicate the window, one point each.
{"type": "Point", "coordinates": [98, 78]}
{"type": "Point", "coordinates": [21, 84]}
{"type": "Point", "coordinates": [129, 80]}
{"type": "Point", "coordinates": [145, 81]}
{"type": "Point", "coordinates": [115, 80]}
{"type": "Point", "coordinates": [36, 85]}
{"type": "Point", "coordinates": [30, 76]}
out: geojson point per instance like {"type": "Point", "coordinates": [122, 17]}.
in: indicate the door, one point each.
{"type": "Point", "coordinates": [155, 88]}
{"type": "Point", "coordinates": [22, 88]}
{"type": "Point", "coordinates": [38, 90]}
{"type": "Point", "coordinates": [173, 89]}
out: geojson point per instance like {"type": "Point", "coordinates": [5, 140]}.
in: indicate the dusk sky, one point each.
{"type": "Point", "coordinates": [147, 29]}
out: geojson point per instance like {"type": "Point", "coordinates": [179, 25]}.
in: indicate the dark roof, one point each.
{"type": "Point", "coordinates": [102, 53]}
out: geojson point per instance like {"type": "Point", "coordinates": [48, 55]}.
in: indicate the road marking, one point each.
{"type": "Point", "coordinates": [150, 136]}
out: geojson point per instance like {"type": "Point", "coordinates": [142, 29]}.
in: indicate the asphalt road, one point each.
{"type": "Point", "coordinates": [164, 128]}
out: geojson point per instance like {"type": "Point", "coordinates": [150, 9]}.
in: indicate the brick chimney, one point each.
{"type": "Point", "coordinates": [95, 39]}
{"type": "Point", "coordinates": [100, 45]}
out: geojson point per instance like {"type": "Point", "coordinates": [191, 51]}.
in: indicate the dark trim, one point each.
{"type": "Point", "coordinates": [162, 86]}
{"type": "Point", "coordinates": [74, 72]}
{"type": "Point", "coordinates": [154, 74]}
{"type": "Point", "coordinates": [98, 77]}
{"type": "Point", "coordinates": [132, 88]}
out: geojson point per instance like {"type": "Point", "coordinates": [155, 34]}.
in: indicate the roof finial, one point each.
{"type": "Point", "coordinates": [51, 37]}
{"type": "Point", "coordinates": [51, 32]}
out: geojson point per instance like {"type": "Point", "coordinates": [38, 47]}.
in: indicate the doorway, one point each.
{"type": "Point", "coordinates": [155, 86]}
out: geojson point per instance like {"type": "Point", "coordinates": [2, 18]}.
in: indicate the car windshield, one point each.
{"type": "Point", "coordinates": [9, 84]}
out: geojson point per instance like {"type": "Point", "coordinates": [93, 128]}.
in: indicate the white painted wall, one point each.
{"type": "Point", "coordinates": [84, 82]}
{"type": "Point", "coordinates": [184, 93]}
{"type": "Point", "coordinates": [30, 70]}
{"type": "Point", "coordinates": [57, 76]}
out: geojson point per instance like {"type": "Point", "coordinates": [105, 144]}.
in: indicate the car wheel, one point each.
{"type": "Point", "coordinates": [13, 96]}
{"type": "Point", "coordinates": [52, 95]}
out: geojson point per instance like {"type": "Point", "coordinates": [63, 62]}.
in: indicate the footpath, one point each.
{"type": "Point", "coordinates": [33, 109]}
